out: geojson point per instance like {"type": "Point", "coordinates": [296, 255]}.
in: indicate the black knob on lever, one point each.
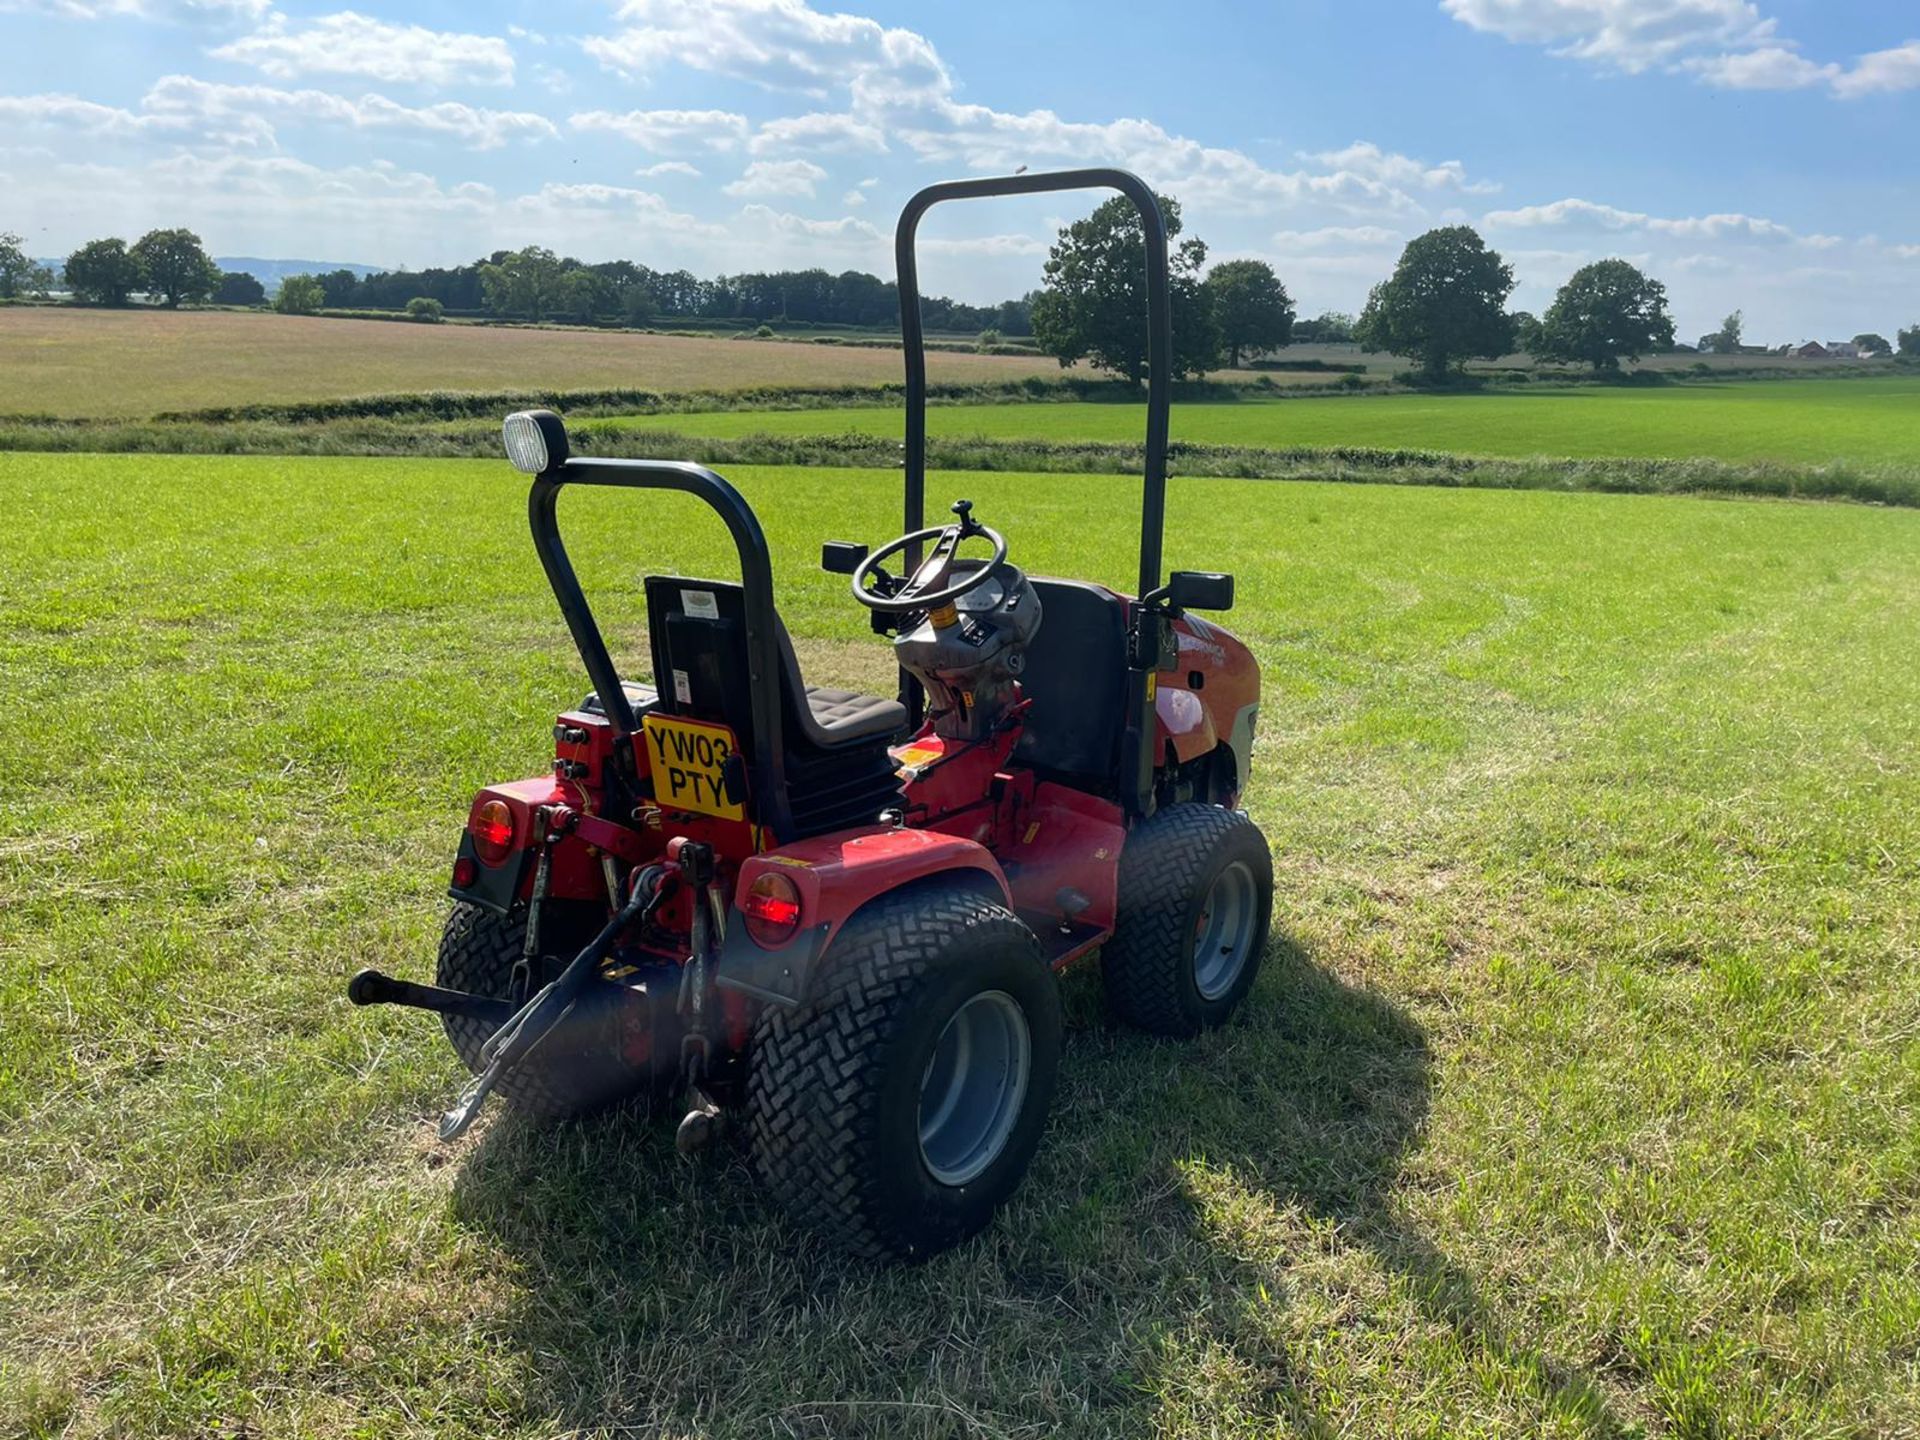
{"type": "Point", "coordinates": [964, 509]}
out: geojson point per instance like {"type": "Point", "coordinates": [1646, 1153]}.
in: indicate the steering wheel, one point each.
{"type": "Point", "coordinates": [915, 592]}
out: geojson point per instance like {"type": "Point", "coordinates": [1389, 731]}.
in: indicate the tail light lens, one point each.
{"type": "Point", "coordinates": [492, 830]}
{"type": "Point", "coordinates": [465, 872]}
{"type": "Point", "coordinates": [771, 910]}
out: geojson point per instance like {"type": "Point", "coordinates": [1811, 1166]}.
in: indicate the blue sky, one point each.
{"type": "Point", "coordinates": [1752, 153]}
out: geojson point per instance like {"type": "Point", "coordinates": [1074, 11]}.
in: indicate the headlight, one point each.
{"type": "Point", "coordinates": [536, 441]}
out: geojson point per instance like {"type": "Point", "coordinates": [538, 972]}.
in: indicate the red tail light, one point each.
{"type": "Point", "coordinates": [771, 910]}
{"type": "Point", "coordinates": [465, 872]}
{"type": "Point", "coordinates": [492, 830]}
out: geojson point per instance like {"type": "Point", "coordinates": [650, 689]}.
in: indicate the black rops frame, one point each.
{"type": "Point", "coordinates": [766, 774]}
{"type": "Point", "coordinates": [1136, 759]}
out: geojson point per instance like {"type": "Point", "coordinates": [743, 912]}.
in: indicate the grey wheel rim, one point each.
{"type": "Point", "coordinates": [974, 1087]}
{"type": "Point", "coordinates": [1223, 933]}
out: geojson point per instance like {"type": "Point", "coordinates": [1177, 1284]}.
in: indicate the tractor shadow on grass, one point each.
{"type": "Point", "coordinates": [1201, 1215]}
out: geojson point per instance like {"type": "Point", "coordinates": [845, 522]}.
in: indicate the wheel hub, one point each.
{"type": "Point", "coordinates": [974, 1087]}
{"type": "Point", "coordinates": [1223, 931]}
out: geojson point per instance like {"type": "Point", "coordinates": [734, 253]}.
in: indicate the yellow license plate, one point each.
{"type": "Point", "coordinates": [688, 759]}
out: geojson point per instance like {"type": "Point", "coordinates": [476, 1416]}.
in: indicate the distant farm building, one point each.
{"type": "Point", "coordinates": [1814, 350]}
{"type": "Point", "coordinates": [1843, 350]}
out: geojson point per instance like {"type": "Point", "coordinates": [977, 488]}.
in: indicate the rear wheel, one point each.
{"type": "Point", "coordinates": [576, 1069]}
{"type": "Point", "coordinates": [899, 1106]}
{"type": "Point", "coordinates": [1196, 895]}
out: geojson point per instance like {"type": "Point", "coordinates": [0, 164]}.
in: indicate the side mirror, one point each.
{"type": "Point", "coordinates": [1200, 590]}
{"type": "Point", "coordinates": [841, 557]}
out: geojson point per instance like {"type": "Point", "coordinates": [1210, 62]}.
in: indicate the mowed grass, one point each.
{"type": "Point", "coordinates": [1871, 421]}
{"type": "Point", "coordinates": [134, 363]}
{"type": "Point", "coordinates": [1580, 1095]}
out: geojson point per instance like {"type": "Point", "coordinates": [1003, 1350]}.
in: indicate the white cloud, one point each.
{"type": "Point", "coordinates": [1882, 71]}
{"type": "Point", "coordinates": [1727, 44]}
{"type": "Point", "coordinates": [777, 44]}
{"type": "Point", "coordinates": [821, 131]}
{"type": "Point", "coordinates": [1337, 237]}
{"type": "Point", "coordinates": [347, 43]}
{"type": "Point", "coordinates": [1363, 157]}
{"type": "Point", "coordinates": [214, 105]}
{"type": "Point", "coordinates": [668, 167]}
{"type": "Point", "coordinates": [1630, 35]}
{"type": "Point", "coordinates": [777, 177]}
{"type": "Point", "coordinates": [897, 88]}
{"type": "Point", "coordinates": [143, 9]}
{"type": "Point", "coordinates": [1772, 67]}
{"type": "Point", "coordinates": [985, 245]}
{"type": "Point", "coordinates": [1586, 213]}
{"type": "Point", "coordinates": [181, 108]}
{"type": "Point", "coordinates": [71, 112]}
{"type": "Point", "coordinates": [665, 130]}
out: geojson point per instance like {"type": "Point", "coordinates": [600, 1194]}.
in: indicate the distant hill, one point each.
{"type": "Point", "coordinates": [271, 272]}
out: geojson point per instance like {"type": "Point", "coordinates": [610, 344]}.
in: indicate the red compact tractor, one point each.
{"type": "Point", "coordinates": [839, 917]}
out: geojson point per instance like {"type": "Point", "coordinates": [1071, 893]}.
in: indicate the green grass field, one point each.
{"type": "Point", "coordinates": [1580, 1095]}
{"type": "Point", "coordinates": [1817, 421]}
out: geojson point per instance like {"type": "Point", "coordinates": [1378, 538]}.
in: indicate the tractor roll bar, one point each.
{"type": "Point", "coordinates": [1137, 757]}
{"type": "Point", "coordinates": [767, 772]}
{"type": "Point", "coordinates": [1159, 334]}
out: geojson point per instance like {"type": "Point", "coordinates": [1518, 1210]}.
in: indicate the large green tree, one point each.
{"type": "Point", "coordinates": [1251, 308]}
{"type": "Point", "coordinates": [177, 266]}
{"type": "Point", "coordinates": [535, 283]}
{"type": "Point", "coordinates": [104, 272]}
{"type": "Point", "coordinates": [1909, 339]}
{"type": "Point", "coordinates": [300, 295]}
{"type": "Point", "coordinates": [1445, 302]}
{"type": "Point", "coordinates": [237, 287]}
{"type": "Point", "coordinates": [1873, 344]}
{"type": "Point", "coordinates": [1607, 312]}
{"type": "Point", "coordinates": [1093, 305]}
{"type": "Point", "coordinates": [19, 275]}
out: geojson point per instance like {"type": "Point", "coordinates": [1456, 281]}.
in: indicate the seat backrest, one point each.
{"type": "Point", "coordinates": [1076, 676]}
{"type": "Point", "coordinates": [697, 630]}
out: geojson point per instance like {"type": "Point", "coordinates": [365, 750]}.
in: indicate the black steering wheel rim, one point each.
{"type": "Point", "coordinates": [907, 602]}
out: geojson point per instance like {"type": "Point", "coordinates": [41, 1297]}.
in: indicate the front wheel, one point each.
{"type": "Point", "coordinates": [1196, 896]}
{"type": "Point", "coordinates": [898, 1107]}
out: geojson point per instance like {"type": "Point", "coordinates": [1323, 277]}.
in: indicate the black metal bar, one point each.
{"type": "Point", "coordinates": [370, 987]}
{"type": "Point", "coordinates": [1137, 758]}
{"type": "Point", "coordinates": [1159, 334]}
{"type": "Point", "coordinates": [767, 777]}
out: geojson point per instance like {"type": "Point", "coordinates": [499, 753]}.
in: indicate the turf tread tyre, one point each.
{"type": "Point", "coordinates": [820, 1085]}
{"type": "Point", "coordinates": [1166, 870]}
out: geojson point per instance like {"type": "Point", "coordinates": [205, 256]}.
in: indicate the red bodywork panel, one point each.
{"type": "Point", "coordinates": [1196, 718]}
{"type": "Point", "coordinates": [837, 874]}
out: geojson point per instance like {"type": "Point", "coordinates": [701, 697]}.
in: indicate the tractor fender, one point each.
{"type": "Point", "coordinates": [836, 875]}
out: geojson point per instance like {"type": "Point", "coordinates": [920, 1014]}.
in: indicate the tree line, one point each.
{"type": "Point", "coordinates": [171, 265]}
{"type": "Point", "coordinates": [1444, 304]}
{"type": "Point", "coordinates": [530, 284]}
